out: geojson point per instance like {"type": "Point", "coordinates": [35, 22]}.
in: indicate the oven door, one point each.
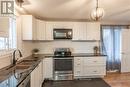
{"type": "Point", "coordinates": [63, 68]}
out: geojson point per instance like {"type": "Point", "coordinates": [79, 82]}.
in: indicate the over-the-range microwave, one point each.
{"type": "Point", "coordinates": [62, 33]}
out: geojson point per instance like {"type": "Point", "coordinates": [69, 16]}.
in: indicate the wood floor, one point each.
{"type": "Point", "coordinates": [118, 80]}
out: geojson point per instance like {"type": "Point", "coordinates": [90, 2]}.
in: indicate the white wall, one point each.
{"type": "Point", "coordinates": [76, 47]}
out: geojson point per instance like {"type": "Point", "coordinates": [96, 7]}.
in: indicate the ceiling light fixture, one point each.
{"type": "Point", "coordinates": [20, 2]}
{"type": "Point", "coordinates": [98, 13]}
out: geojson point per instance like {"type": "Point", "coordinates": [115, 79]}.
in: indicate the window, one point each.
{"type": "Point", "coordinates": [9, 43]}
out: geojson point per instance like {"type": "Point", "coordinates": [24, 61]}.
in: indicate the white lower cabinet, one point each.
{"type": "Point", "coordinates": [94, 71]}
{"type": "Point", "coordinates": [36, 76]}
{"type": "Point", "coordinates": [48, 68]}
{"type": "Point", "coordinates": [78, 66]}
{"type": "Point", "coordinates": [85, 67]}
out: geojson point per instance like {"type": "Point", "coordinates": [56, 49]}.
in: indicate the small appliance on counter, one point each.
{"type": "Point", "coordinates": [63, 64]}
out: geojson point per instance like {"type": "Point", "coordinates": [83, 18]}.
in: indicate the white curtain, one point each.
{"type": "Point", "coordinates": [111, 42]}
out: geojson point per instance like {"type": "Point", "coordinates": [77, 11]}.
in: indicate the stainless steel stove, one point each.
{"type": "Point", "coordinates": [63, 64]}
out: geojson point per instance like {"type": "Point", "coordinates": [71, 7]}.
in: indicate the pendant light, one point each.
{"type": "Point", "coordinates": [97, 13]}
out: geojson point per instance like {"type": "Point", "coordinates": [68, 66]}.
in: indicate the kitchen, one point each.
{"type": "Point", "coordinates": [61, 51]}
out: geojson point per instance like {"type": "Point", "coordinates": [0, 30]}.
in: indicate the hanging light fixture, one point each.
{"type": "Point", "coordinates": [20, 2]}
{"type": "Point", "coordinates": [98, 13]}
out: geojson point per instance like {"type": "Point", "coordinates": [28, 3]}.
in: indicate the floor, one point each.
{"type": "Point", "coordinates": [113, 79]}
{"type": "Point", "coordinates": [77, 83]}
{"type": "Point", "coordinates": [118, 80]}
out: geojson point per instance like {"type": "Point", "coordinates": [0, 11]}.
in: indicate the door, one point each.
{"type": "Point", "coordinates": [111, 36]}
{"type": "Point", "coordinates": [125, 52]}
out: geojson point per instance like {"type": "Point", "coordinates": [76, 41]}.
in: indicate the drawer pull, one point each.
{"type": "Point", "coordinates": [78, 71]}
{"type": "Point", "coordinates": [95, 61]}
{"type": "Point", "coordinates": [94, 71]}
{"type": "Point", "coordinates": [78, 64]}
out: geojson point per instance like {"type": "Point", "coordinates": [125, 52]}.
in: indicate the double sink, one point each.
{"type": "Point", "coordinates": [23, 65]}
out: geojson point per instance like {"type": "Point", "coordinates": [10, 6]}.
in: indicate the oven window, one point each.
{"type": "Point", "coordinates": [63, 64]}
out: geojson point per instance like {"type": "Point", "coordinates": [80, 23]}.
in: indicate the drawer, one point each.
{"type": "Point", "coordinates": [88, 71]}
{"type": "Point", "coordinates": [94, 61]}
{"type": "Point", "coordinates": [78, 61]}
{"type": "Point", "coordinates": [78, 71]}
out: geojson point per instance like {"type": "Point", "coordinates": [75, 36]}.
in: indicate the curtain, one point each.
{"type": "Point", "coordinates": [111, 42]}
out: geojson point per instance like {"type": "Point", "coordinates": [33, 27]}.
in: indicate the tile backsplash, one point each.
{"type": "Point", "coordinates": [76, 47]}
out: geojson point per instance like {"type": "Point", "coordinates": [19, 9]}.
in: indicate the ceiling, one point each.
{"type": "Point", "coordinates": [115, 10]}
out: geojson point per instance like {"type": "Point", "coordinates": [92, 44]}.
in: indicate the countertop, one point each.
{"type": "Point", "coordinates": [78, 55]}
{"type": "Point", "coordinates": [8, 74]}
{"type": "Point", "coordinates": [14, 76]}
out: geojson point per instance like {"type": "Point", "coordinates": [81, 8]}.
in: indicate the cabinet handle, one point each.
{"type": "Point", "coordinates": [95, 61]}
{"type": "Point", "coordinates": [94, 71]}
{"type": "Point", "coordinates": [78, 64]}
{"type": "Point", "coordinates": [78, 71]}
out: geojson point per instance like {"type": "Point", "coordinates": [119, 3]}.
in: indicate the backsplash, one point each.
{"type": "Point", "coordinates": [76, 47]}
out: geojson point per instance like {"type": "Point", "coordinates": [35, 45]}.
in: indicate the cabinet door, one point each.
{"type": "Point", "coordinates": [40, 30]}
{"type": "Point", "coordinates": [49, 31]}
{"type": "Point", "coordinates": [48, 68]}
{"type": "Point", "coordinates": [4, 26]}
{"type": "Point", "coordinates": [28, 27]}
{"type": "Point", "coordinates": [83, 31]}
{"type": "Point", "coordinates": [80, 31]}
{"type": "Point", "coordinates": [93, 31]}
{"type": "Point", "coordinates": [40, 73]}
{"type": "Point", "coordinates": [33, 83]}
{"type": "Point", "coordinates": [63, 25]}
{"type": "Point", "coordinates": [36, 76]}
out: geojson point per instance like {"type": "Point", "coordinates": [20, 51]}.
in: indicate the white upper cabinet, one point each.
{"type": "Point", "coordinates": [49, 31]}
{"type": "Point", "coordinates": [5, 26]}
{"type": "Point", "coordinates": [63, 25]}
{"type": "Point", "coordinates": [93, 31]}
{"type": "Point", "coordinates": [41, 30]}
{"type": "Point", "coordinates": [80, 31]}
{"type": "Point", "coordinates": [86, 31]}
{"type": "Point", "coordinates": [28, 27]}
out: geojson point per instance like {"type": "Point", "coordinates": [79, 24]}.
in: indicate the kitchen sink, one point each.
{"type": "Point", "coordinates": [25, 63]}
{"type": "Point", "coordinates": [22, 66]}
{"type": "Point", "coordinates": [29, 60]}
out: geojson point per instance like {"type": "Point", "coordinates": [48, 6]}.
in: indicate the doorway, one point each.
{"type": "Point", "coordinates": [111, 46]}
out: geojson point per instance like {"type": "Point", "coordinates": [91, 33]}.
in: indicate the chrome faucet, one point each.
{"type": "Point", "coordinates": [14, 55]}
